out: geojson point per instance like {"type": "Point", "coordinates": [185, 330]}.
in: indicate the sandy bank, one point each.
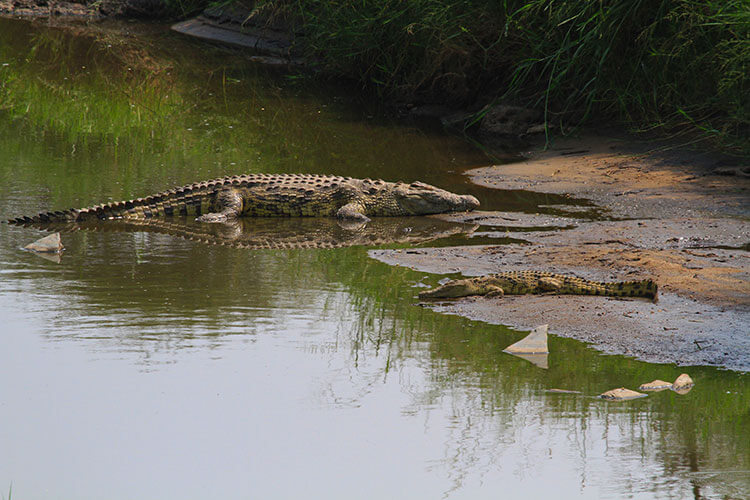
{"type": "Point", "coordinates": [679, 217]}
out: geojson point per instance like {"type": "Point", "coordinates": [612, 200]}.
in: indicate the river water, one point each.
{"type": "Point", "coordinates": [182, 362]}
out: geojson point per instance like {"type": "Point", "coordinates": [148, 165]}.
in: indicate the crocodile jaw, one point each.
{"type": "Point", "coordinates": [419, 198]}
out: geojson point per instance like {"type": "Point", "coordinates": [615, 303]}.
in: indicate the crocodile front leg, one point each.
{"type": "Point", "coordinates": [352, 211]}
{"type": "Point", "coordinates": [229, 206]}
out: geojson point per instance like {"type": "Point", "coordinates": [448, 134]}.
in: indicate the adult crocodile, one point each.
{"type": "Point", "coordinates": [531, 282]}
{"type": "Point", "coordinates": [277, 195]}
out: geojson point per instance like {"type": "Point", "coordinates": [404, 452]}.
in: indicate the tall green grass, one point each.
{"type": "Point", "coordinates": [674, 65]}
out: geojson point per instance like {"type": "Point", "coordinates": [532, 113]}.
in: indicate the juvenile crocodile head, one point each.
{"type": "Point", "coordinates": [419, 198]}
{"type": "Point", "coordinates": [454, 289]}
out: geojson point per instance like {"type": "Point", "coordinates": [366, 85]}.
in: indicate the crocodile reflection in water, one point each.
{"type": "Point", "coordinates": [276, 233]}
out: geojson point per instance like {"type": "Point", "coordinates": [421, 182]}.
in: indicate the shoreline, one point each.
{"type": "Point", "coordinates": [677, 217]}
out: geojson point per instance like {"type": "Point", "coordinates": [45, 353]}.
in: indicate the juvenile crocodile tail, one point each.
{"type": "Point", "coordinates": [645, 288]}
{"type": "Point", "coordinates": [642, 288]}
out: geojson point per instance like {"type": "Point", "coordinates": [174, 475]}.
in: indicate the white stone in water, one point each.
{"type": "Point", "coordinates": [621, 394]}
{"type": "Point", "coordinates": [683, 384]}
{"type": "Point", "coordinates": [48, 244]}
{"type": "Point", "coordinates": [655, 385]}
{"type": "Point", "coordinates": [534, 343]}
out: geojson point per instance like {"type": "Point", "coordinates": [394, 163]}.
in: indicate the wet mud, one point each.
{"type": "Point", "coordinates": [676, 217]}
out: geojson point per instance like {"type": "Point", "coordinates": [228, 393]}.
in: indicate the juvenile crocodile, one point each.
{"type": "Point", "coordinates": [523, 282]}
{"type": "Point", "coordinates": [276, 195]}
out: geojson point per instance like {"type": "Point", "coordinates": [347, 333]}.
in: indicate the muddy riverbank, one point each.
{"type": "Point", "coordinates": [677, 216]}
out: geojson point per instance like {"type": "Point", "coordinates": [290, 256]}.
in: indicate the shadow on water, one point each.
{"type": "Point", "coordinates": [190, 351]}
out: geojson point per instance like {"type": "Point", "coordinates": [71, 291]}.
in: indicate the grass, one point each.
{"type": "Point", "coordinates": [676, 66]}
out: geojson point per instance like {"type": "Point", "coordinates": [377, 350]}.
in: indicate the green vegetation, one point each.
{"type": "Point", "coordinates": [672, 65]}
{"type": "Point", "coordinates": [678, 67]}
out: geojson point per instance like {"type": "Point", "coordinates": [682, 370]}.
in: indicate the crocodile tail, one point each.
{"type": "Point", "coordinates": [105, 211]}
{"type": "Point", "coordinates": [650, 289]}
{"type": "Point", "coordinates": [45, 217]}
{"type": "Point", "coordinates": [644, 288]}
{"type": "Point", "coordinates": [137, 208]}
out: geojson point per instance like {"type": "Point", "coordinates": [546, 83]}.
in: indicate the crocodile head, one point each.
{"type": "Point", "coordinates": [454, 289]}
{"type": "Point", "coordinates": [419, 198]}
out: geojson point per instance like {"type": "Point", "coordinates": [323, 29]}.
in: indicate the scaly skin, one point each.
{"type": "Point", "coordinates": [276, 195]}
{"type": "Point", "coordinates": [526, 282]}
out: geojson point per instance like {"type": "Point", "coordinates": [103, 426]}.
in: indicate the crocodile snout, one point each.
{"type": "Point", "coordinates": [470, 202]}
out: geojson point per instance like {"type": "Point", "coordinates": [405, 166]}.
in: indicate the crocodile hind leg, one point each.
{"type": "Point", "coordinates": [229, 206]}
{"type": "Point", "coordinates": [549, 285]}
{"type": "Point", "coordinates": [495, 292]}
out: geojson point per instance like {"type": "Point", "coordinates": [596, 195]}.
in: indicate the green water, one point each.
{"type": "Point", "coordinates": [149, 364]}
